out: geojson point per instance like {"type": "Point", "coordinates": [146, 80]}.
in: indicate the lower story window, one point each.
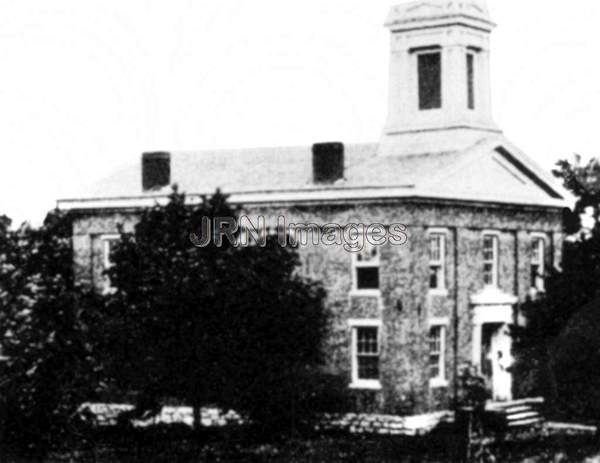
{"type": "Point", "coordinates": [366, 353]}
{"type": "Point", "coordinates": [437, 341]}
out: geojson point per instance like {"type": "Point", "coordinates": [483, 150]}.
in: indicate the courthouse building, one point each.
{"type": "Point", "coordinates": [484, 222]}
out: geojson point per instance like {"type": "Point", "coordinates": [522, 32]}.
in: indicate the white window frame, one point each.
{"type": "Point", "coordinates": [495, 259]}
{"type": "Point", "coordinates": [441, 324]}
{"type": "Point", "coordinates": [355, 324]}
{"type": "Point", "coordinates": [538, 285]}
{"type": "Point", "coordinates": [356, 264]}
{"type": "Point", "coordinates": [443, 234]}
{"type": "Point", "coordinates": [106, 240]}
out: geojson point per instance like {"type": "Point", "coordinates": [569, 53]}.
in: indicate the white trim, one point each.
{"type": "Point", "coordinates": [354, 324]}
{"type": "Point", "coordinates": [365, 293]}
{"type": "Point", "coordinates": [366, 384]}
{"type": "Point", "coordinates": [493, 314]}
{"type": "Point", "coordinates": [539, 235]}
{"type": "Point", "coordinates": [438, 292]}
{"type": "Point", "coordinates": [333, 195]}
{"type": "Point", "coordinates": [437, 383]}
{"type": "Point", "coordinates": [438, 231]}
{"type": "Point", "coordinates": [497, 233]}
{"type": "Point", "coordinates": [364, 323]}
{"type": "Point", "coordinates": [492, 296]}
{"type": "Point", "coordinates": [439, 321]}
{"type": "Point", "coordinates": [105, 240]}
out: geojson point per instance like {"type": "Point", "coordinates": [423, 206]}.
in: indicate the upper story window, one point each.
{"type": "Point", "coordinates": [366, 268]}
{"type": "Point", "coordinates": [430, 80]}
{"type": "Point", "coordinates": [365, 354]}
{"type": "Point", "coordinates": [538, 252]}
{"type": "Point", "coordinates": [470, 80]}
{"type": "Point", "coordinates": [437, 261]}
{"type": "Point", "coordinates": [108, 243]}
{"type": "Point", "coordinates": [490, 260]}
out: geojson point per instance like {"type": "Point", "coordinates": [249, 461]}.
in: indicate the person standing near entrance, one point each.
{"type": "Point", "coordinates": [501, 377]}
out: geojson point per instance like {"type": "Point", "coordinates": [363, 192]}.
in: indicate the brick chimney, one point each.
{"type": "Point", "coordinates": [156, 170]}
{"type": "Point", "coordinates": [328, 162]}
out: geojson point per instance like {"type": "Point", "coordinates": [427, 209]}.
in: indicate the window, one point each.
{"type": "Point", "coordinates": [437, 345]}
{"type": "Point", "coordinates": [538, 251]}
{"type": "Point", "coordinates": [365, 352]}
{"type": "Point", "coordinates": [430, 80]}
{"type": "Point", "coordinates": [470, 80]}
{"type": "Point", "coordinates": [366, 268]}
{"type": "Point", "coordinates": [437, 253]}
{"type": "Point", "coordinates": [490, 260]}
{"type": "Point", "coordinates": [108, 243]}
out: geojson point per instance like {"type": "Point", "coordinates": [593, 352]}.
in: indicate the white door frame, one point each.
{"type": "Point", "coordinates": [490, 306]}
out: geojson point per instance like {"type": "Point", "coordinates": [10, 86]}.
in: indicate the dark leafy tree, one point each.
{"type": "Point", "coordinates": [584, 182]}
{"type": "Point", "coordinates": [48, 366]}
{"type": "Point", "coordinates": [224, 325]}
{"type": "Point", "coordinates": [542, 367]}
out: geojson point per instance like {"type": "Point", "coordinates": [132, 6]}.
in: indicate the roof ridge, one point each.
{"type": "Point", "coordinates": [258, 148]}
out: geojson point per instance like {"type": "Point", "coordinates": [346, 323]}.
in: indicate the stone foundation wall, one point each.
{"type": "Point", "coordinates": [106, 415]}
{"type": "Point", "coordinates": [389, 425]}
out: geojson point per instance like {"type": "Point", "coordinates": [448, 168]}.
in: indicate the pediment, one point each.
{"type": "Point", "coordinates": [498, 173]}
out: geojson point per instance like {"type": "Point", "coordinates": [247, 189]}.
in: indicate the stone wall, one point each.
{"type": "Point", "coordinates": [107, 414]}
{"type": "Point", "coordinates": [405, 306]}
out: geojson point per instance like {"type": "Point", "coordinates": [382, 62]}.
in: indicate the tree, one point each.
{"type": "Point", "coordinates": [584, 182]}
{"type": "Point", "coordinates": [540, 365]}
{"type": "Point", "coordinates": [44, 326]}
{"type": "Point", "coordinates": [228, 325]}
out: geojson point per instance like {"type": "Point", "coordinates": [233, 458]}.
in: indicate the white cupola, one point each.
{"type": "Point", "coordinates": [439, 95]}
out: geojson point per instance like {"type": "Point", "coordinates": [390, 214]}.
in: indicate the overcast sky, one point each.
{"type": "Point", "coordinates": [87, 85]}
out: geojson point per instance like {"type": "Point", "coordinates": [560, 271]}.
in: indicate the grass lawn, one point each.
{"type": "Point", "coordinates": [160, 445]}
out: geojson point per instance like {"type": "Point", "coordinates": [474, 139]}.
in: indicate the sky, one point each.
{"type": "Point", "coordinates": [87, 86]}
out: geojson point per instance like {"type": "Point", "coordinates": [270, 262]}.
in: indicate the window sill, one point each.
{"type": "Point", "coordinates": [438, 292]}
{"type": "Point", "coordinates": [437, 383]}
{"type": "Point", "coordinates": [108, 290]}
{"type": "Point", "coordinates": [366, 385]}
{"type": "Point", "coordinates": [365, 293]}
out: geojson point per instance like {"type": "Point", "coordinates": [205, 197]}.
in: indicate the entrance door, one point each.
{"type": "Point", "coordinates": [500, 360]}
{"type": "Point", "coordinates": [491, 341]}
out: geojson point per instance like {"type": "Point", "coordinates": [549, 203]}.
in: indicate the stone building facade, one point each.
{"type": "Point", "coordinates": [483, 221]}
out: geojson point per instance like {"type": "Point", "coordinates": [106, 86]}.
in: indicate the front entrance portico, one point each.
{"type": "Point", "coordinates": [491, 341]}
